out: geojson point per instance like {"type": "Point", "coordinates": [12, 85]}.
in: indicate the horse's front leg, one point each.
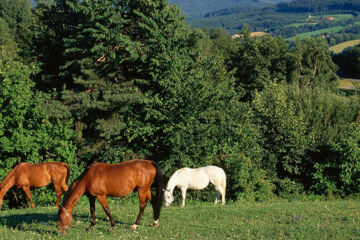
{"type": "Point", "coordinates": [104, 204]}
{"type": "Point", "coordinates": [183, 194]}
{"type": "Point", "coordinates": [92, 211]}
{"type": "Point", "coordinates": [26, 190]}
{"type": "Point", "coordinates": [143, 196]}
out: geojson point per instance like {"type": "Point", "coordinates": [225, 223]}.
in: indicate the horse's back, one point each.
{"type": "Point", "coordinates": [119, 179]}
{"type": "Point", "coordinates": [214, 172]}
{"type": "Point", "coordinates": [34, 175]}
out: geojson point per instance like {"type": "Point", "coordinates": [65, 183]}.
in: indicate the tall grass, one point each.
{"type": "Point", "coordinates": [337, 219]}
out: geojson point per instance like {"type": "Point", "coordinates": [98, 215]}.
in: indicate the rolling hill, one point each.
{"type": "Point", "coordinates": [198, 8]}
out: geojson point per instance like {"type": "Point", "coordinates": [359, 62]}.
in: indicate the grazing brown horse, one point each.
{"type": "Point", "coordinates": [26, 175]}
{"type": "Point", "coordinates": [115, 180]}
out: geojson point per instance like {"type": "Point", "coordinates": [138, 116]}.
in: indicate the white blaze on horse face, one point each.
{"type": "Point", "coordinates": [169, 198]}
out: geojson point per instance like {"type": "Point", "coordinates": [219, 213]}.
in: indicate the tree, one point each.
{"type": "Point", "coordinates": [7, 42]}
{"type": "Point", "coordinates": [258, 61]}
{"type": "Point", "coordinates": [349, 61]}
{"type": "Point", "coordinates": [311, 64]}
{"type": "Point", "coordinates": [18, 15]}
{"type": "Point", "coordinates": [284, 129]}
{"type": "Point", "coordinates": [27, 134]}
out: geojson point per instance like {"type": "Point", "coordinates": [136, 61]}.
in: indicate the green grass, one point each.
{"type": "Point", "coordinates": [338, 48]}
{"type": "Point", "coordinates": [338, 219]}
{"type": "Point", "coordinates": [318, 32]}
{"type": "Point", "coordinates": [349, 83]}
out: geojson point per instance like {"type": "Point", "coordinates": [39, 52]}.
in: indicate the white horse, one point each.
{"type": "Point", "coordinates": [197, 179]}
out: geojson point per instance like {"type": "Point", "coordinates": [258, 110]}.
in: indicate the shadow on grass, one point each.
{"type": "Point", "coordinates": [19, 221]}
{"type": "Point", "coordinates": [44, 223]}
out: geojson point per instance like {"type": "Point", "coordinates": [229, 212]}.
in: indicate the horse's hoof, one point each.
{"type": "Point", "coordinates": [133, 227]}
{"type": "Point", "coordinates": [156, 223]}
{"type": "Point", "coordinates": [111, 229]}
{"type": "Point", "coordinates": [89, 229]}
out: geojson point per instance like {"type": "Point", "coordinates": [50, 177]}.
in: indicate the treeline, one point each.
{"type": "Point", "coordinates": [349, 62]}
{"type": "Point", "coordinates": [226, 11]}
{"type": "Point", "coordinates": [316, 6]}
{"type": "Point", "coordinates": [109, 81]}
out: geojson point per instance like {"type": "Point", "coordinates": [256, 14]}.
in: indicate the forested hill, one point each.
{"type": "Point", "coordinates": [196, 9]}
{"type": "Point", "coordinates": [296, 6]}
{"type": "Point", "coordinates": [317, 6]}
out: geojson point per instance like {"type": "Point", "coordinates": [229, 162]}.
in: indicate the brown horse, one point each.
{"type": "Point", "coordinates": [26, 175]}
{"type": "Point", "coordinates": [102, 179]}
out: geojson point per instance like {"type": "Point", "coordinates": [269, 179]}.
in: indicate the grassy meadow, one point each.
{"type": "Point", "coordinates": [349, 83]}
{"type": "Point", "coordinates": [338, 48]}
{"type": "Point", "coordinates": [337, 219]}
{"type": "Point", "coordinates": [317, 32]}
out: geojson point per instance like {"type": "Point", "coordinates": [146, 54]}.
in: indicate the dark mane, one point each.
{"type": "Point", "coordinates": [71, 187]}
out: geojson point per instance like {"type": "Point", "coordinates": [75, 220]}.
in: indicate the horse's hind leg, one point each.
{"type": "Point", "coordinates": [26, 190]}
{"type": "Point", "coordinates": [92, 211]}
{"type": "Point", "coordinates": [58, 194]}
{"type": "Point", "coordinates": [143, 196]}
{"type": "Point", "coordinates": [104, 204]}
{"type": "Point", "coordinates": [64, 187]}
{"type": "Point", "coordinates": [219, 191]}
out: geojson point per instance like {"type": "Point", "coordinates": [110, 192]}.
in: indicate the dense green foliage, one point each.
{"type": "Point", "coordinates": [349, 61]}
{"type": "Point", "coordinates": [27, 134]}
{"type": "Point", "coordinates": [113, 80]}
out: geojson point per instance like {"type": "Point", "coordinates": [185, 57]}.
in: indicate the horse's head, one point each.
{"type": "Point", "coordinates": [169, 198]}
{"type": "Point", "coordinates": [65, 220]}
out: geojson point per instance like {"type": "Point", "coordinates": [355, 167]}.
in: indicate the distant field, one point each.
{"type": "Point", "coordinates": [318, 32]}
{"type": "Point", "coordinates": [333, 220]}
{"type": "Point", "coordinates": [258, 34]}
{"type": "Point", "coordinates": [340, 47]}
{"type": "Point", "coordinates": [337, 17]}
{"type": "Point", "coordinates": [317, 18]}
{"type": "Point", "coordinates": [349, 83]}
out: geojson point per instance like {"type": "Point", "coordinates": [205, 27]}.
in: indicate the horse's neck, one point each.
{"type": "Point", "coordinates": [7, 183]}
{"type": "Point", "coordinates": [173, 182]}
{"type": "Point", "coordinates": [75, 193]}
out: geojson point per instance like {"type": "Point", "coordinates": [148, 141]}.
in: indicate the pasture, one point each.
{"type": "Point", "coordinates": [337, 219]}
{"type": "Point", "coordinates": [338, 48]}
{"type": "Point", "coordinates": [317, 32]}
{"type": "Point", "coordinates": [348, 83]}
{"type": "Point", "coordinates": [318, 18]}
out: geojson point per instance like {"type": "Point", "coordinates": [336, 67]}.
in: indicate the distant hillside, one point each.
{"type": "Point", "coordinates": [319, 6]}
{"type": "Point", "coordinates": [285, 19]}
{"type": "Point", "coordinates": [198, 8]}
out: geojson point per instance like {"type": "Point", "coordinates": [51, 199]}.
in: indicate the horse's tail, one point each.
{"type": "Point", "coordinates": [223, 183]}
{"type": "Point", "coordinates": [67, 172]}
{"type": "Point", "coordinates": [156, 201]}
